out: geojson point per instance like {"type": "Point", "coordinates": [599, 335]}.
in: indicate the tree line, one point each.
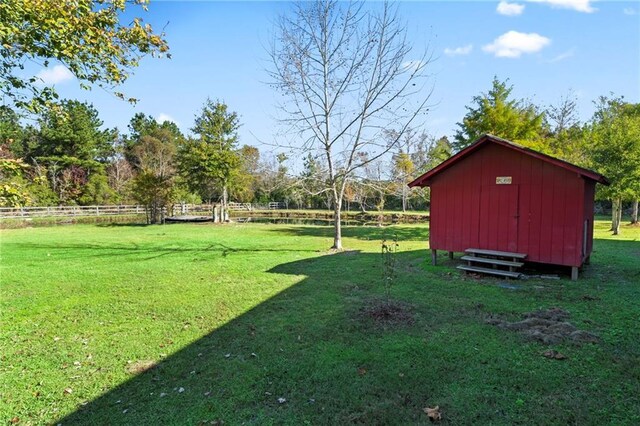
{"type": "Point", "coordinates": [353, 97]}
{"type": "Point", "coordinates": [65, 156]}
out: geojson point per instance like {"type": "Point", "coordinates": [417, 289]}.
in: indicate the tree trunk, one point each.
{"type": "Point", "coordinates": [337, 196]}
{"type": "Point", "coordinates": [619, 221]}
{"type": "Point", "coordinates": [404, 199]}
{"type": "Point", "coordinates": [337, 235]}
{"type": "Point", "coordinates": [616, 214]}
{"type": "Point", "coordinates": [634, 212]}
{"type": "Point", "coordinates": [224, 213]}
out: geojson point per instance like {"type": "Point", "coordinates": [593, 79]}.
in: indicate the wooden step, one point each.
{"type": "Point", "coordinates": [495, 253]}
{"type": "Point", "coordinates": [492, 261]}
{"type": "Point", "coordinates": [489, 271]}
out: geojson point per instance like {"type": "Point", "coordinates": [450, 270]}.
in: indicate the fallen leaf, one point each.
{"type": "Point", "coordinates": [68, 391]}
{"type": "Point", "coordinates": [552, 354]}
{"type": "Point", "coordinates": [162, 394]}
{"type": "Point", "coordinates": [15, 420]}
{"type": "Point", "coordinates": [362, 371]}
{"type": "Point", "coordinates": [281, 400]}
{"type": "Point", "coordinates": [434, 413]}
{"type": "Point", "coordinates": [140, 366]}
{"type": "Point", "coordinates": [180, 390]}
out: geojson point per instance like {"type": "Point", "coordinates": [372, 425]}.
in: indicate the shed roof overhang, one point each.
{"type": "Point", "coordinates": [425, 179]}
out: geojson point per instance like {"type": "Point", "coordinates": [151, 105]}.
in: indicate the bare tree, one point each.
{"type": "Point", "coordinates": [347, 72]}
{"type": "Point", "coordinates": [564, 115]}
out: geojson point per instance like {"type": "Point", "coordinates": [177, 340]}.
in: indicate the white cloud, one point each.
{"type": "Point", "coordinates": [513, 44]}
{"type": "Point", "coordinates": [162, 117]}
{"type": "Point", "coordinates": [510, 9]}
{"type": "Point", "coordinates": [55, 75]}
{"type": "Point", "coordinates": [562, 56]}
{"type": "Point", "coordinates": [459, 51]}
{"type": "Point", "coordinates": [577, 5]}
{"type": "Point", "coordinates": [629, 11]}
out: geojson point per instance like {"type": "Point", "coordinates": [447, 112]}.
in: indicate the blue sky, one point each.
{"type": "Point", "coordinates": [549, 48]}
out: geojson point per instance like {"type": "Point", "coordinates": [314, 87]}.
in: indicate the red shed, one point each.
{"type": "Point", "coordinates": [499, 196]}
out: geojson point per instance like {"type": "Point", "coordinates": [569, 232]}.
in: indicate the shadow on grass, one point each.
{"type": "Point", "coordinates": [123, 225]}
{"type": "Point", "coordinates": [149, 252]}
{"type": "Point", "coordinates": [403, 233]}
{"type": "Point", "coordinates": [305, 345]}
{"type": "Point", "coordinates": [307, 355]}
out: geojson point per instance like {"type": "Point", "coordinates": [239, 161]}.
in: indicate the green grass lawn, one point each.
{"type": "Point", "coordinates": [231, 318]}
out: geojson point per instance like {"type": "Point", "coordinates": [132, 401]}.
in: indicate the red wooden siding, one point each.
{"type": "Point", "coordinates": [541, 213]}
{"type": "Point", "coordinates": [589, 192]}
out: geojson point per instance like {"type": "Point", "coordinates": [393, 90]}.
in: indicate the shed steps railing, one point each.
{"type": "Point", "coordinates": [495, 259]}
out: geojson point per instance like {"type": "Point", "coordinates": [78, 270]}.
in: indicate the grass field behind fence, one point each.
{"type": "Point", "coordinates": [259, 324]}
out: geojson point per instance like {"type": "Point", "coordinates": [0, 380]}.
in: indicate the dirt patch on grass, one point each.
{"type": "Point", "coordinates": [549, 326]}
{"type": "Point", "coordinates": [388, 313]}
{"type": "Point", "coordinates": [138, 367]}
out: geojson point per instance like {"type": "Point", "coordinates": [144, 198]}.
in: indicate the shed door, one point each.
{"type": "Point", "coordinates": [499, 217]}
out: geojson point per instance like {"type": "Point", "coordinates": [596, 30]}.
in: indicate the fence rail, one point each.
{"type": "Point", "coordinates": [74, 211]}
{"type": "Point", "coordinates": [68, 211]}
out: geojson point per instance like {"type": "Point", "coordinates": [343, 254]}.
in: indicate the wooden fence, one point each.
{"type": "Point", "coordinates": [75, 211]}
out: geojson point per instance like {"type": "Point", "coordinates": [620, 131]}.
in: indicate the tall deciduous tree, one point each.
{"type": "Point", "coordinates": [209, 163]}
{"type": "Point", "coordinates": [404, 171]}
{"type": "Point", "coordinates": [566, 136]}
{"type": "Point", "coordinates": [153, 186]}
{"type": "Point", "coordinates": [86, 36]}
{"type": "Point", "coordinates": [142, 125]}
{"type": "Point", "coordinates": [243, 187]}
{"type": "Point", "coordinates": [495, 112]}
{"type": "Point", "coordinates": [346, 71]}
{"type": "Point", "coordinates": [615, 151]}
